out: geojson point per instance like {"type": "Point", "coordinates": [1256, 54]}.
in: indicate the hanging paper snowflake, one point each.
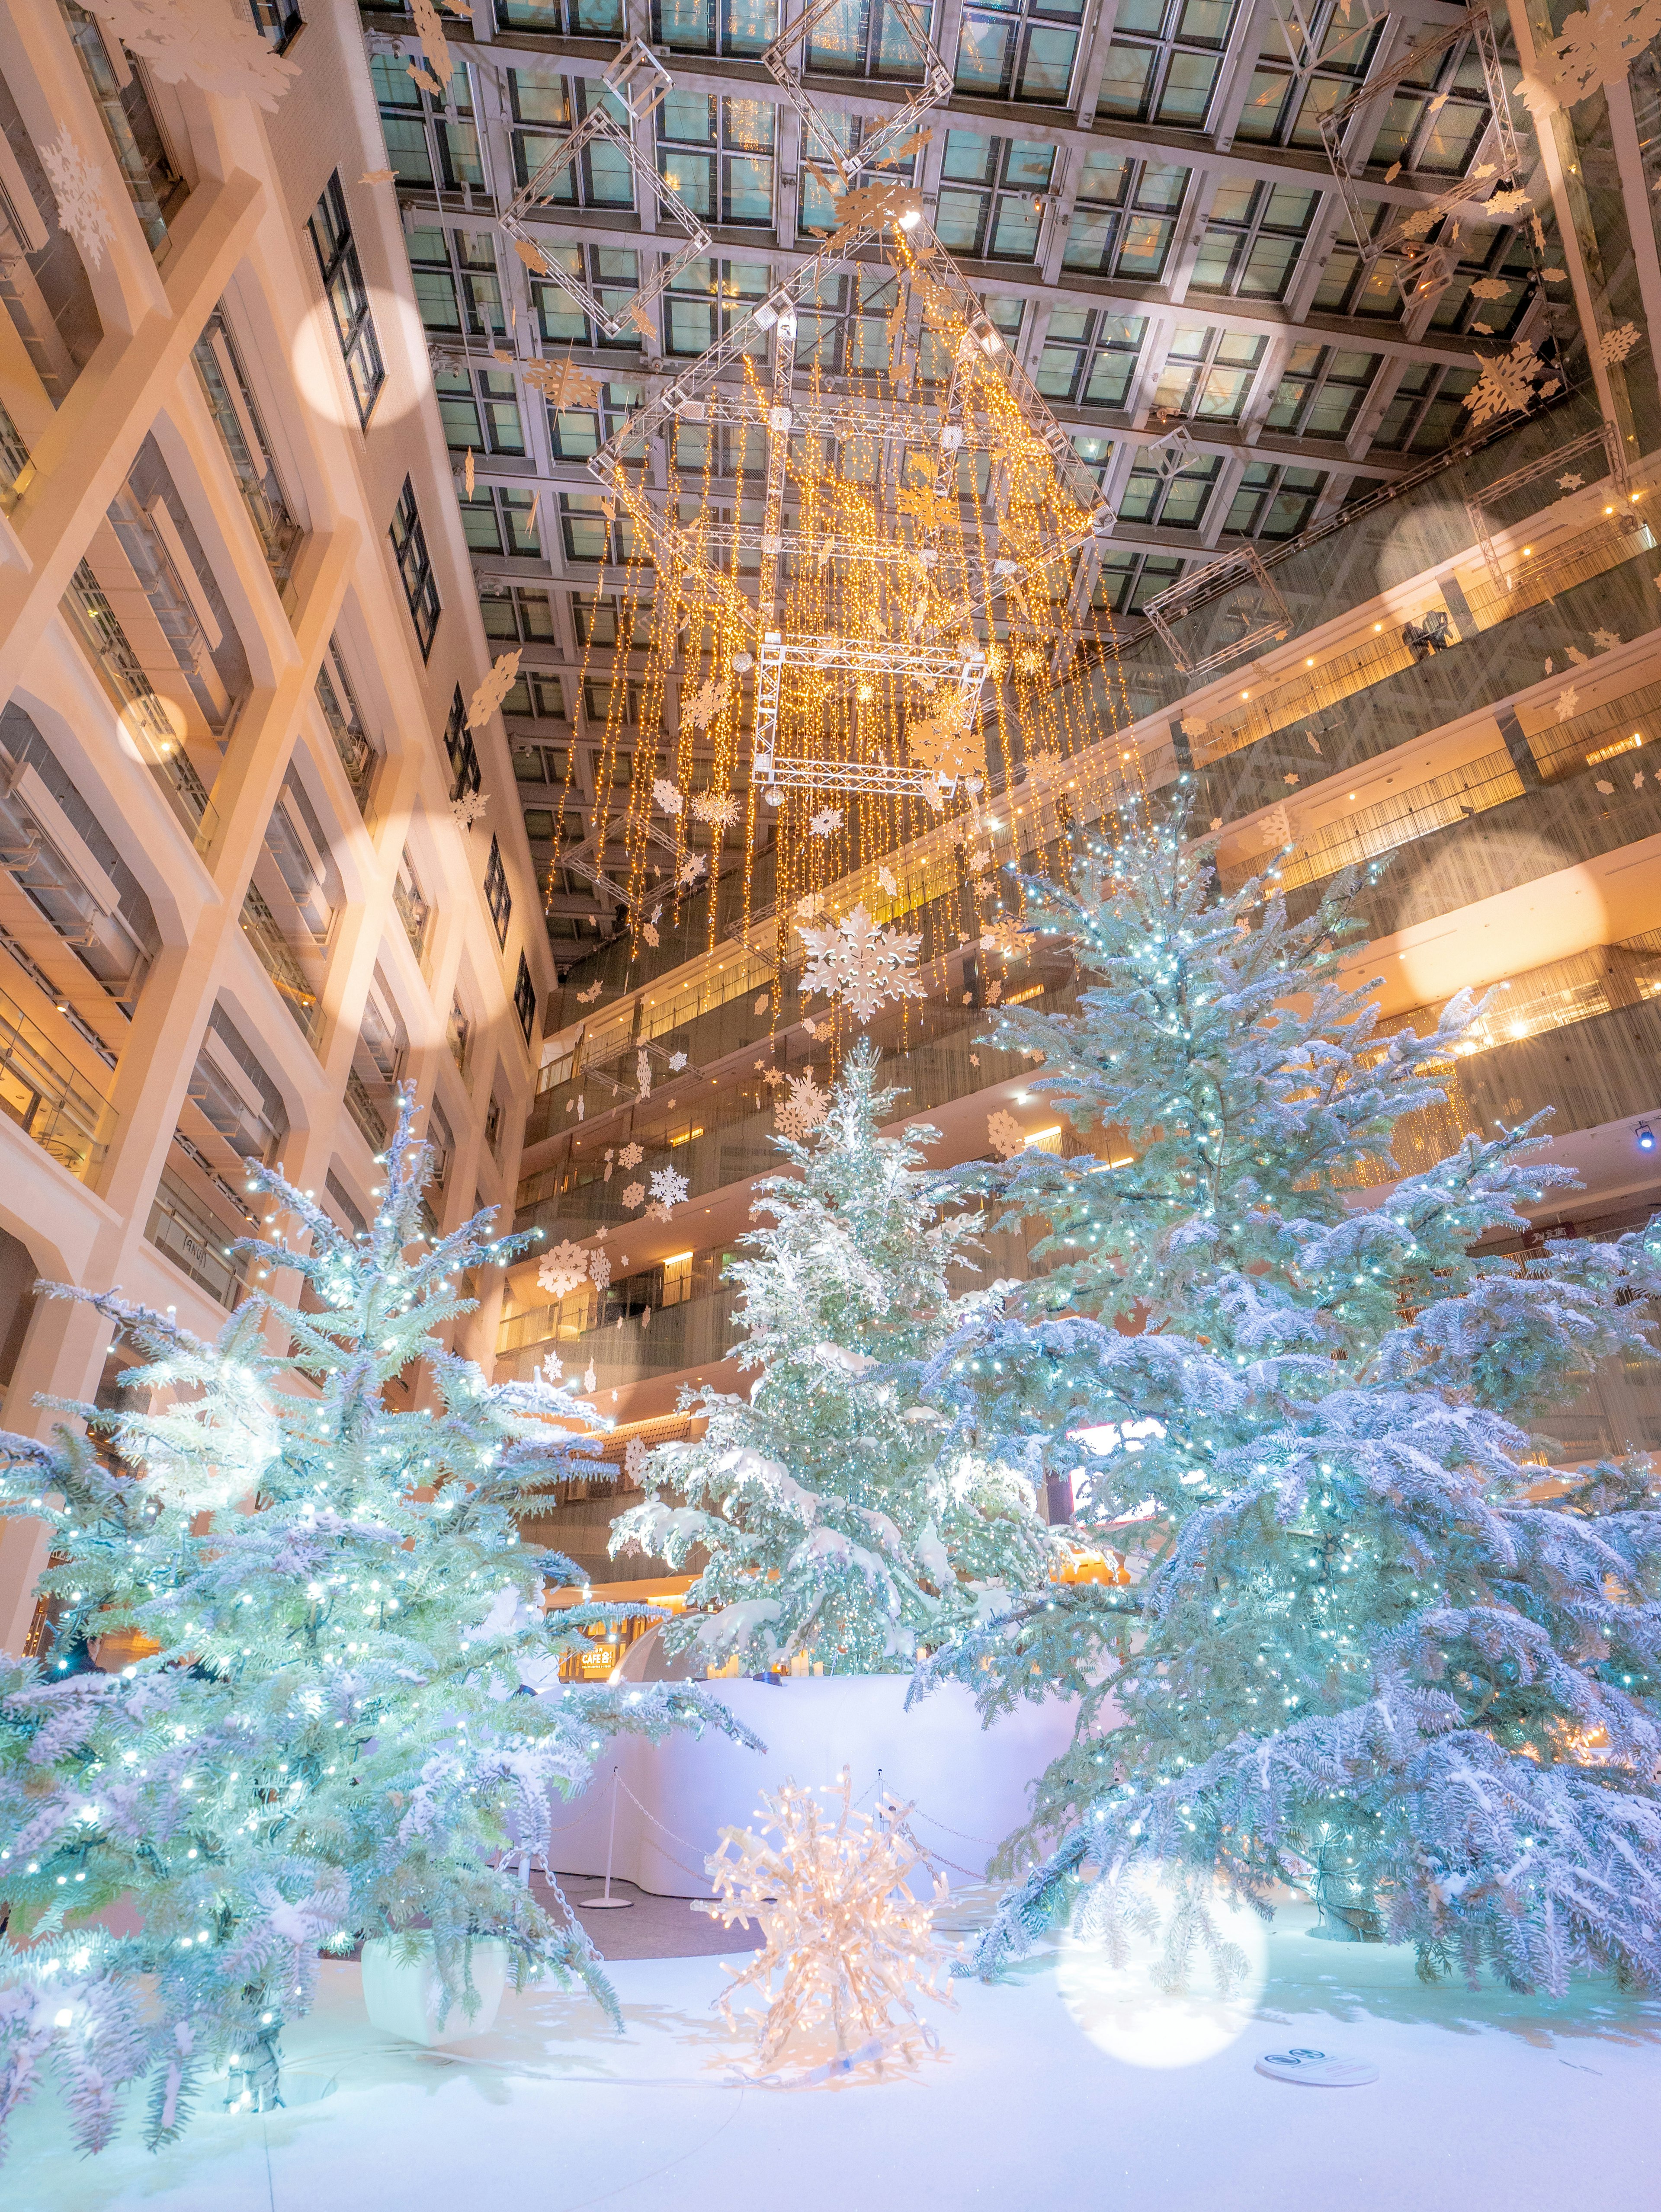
{"type": "Point", "coordinates": [889, 883]}
{"type": "Point", "coordinates": [1567, 701]}
{"type": "Point", "coordinates": [802, 1110]}
{"type": "Point", "coordinates": [669, 1187]}
{"type": "Point", "coordinates": [643, 1072]}
{"type": "Point", "coordinates": [79, 192]}
{"type": "Point", "coordinates": [630, 1156]}
{"type": "Point", "coordinates": [633, 1461]}
{"type": "Point", "coordinates": [553, 1372]}
{"type": "Point", "coordinates": [1615, 345]}
{"type": "Point", "coordinates": [650, 934]}
{"type": "Point", "coordinates": [827, 819]}
{"type": "Point", "coordinates": [676, 1061]}
{"type": "Point", "coordinates": [634, 1194]}
{"type": "Point", "coordinates": [504, 673]}
{"type": "Point", "coordinates": [1005, 1134]}
{"type": "Point", "coordinates": [717, 808]}
{"type": "Point", "coordinates": [860, 964]}
{"type": "Point", "coordinates": [468, 807]}
{"type": "Point", "coordinates": [703, 705]}
{"type": "Point", "coordinates": [563, 1269]}
{"type": "Point", "coordinates": [666, 794]}
{"type": "Point", "coordinates": [1506, 384]}
{"type": "Point", "coordinates": [847, 1950]}
{"type": "Point", "coordinates": [587, 998]}
{"type": "Point", "coordinates": [1009, 939]}
{"type": "Point", "coordinates": [690, 869]}
{"type": "Point", "coordinates": [216, 47]}
{"type": "Point", "coordinates": [599, 1274]}
{"type": "Point", "coordinates": [1605, 640]}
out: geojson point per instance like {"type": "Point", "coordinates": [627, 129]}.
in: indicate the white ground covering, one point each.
{"type": "Point", "coordinates": [1483, 2101]}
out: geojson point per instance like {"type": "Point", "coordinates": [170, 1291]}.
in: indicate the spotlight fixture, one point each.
{"type": "Point", "coordinates": [1645, 1137]}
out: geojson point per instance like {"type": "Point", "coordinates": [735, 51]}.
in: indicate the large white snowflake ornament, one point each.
{"type": "Point", "coordinates": [599, 1274]}
{"type": "Point", "coordinates": [209, 43]}
{"type": "Point", "coordinates": [1005, 1134]}
{"type": "Point", "coordinates": [1615, 344]}
{"type": "Point", "coordinates": [563, 1269]}
{"type": "Point", "coordinates": [78, 190]}
{"type": "Point", "coordinates": [827, 819]}
{"type": "Point", "coordinates": [860, 964]}
{"type": "Point", "coordinates": [847, 1951]}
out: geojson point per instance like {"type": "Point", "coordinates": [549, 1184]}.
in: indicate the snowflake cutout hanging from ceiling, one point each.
{"type": "Point", "coordinates": [630, 1156]}
{"type": "Point", "coordinates": [860, 964]}
{"type": "Point", "coordinates": [1005, 1134]}
{"type": "Point", "coordinates": [468, 807]}
{"type": "Point", "coordinates": [599, 1273]}
{"type": "Point", "coordinates": [79, 192]}
{"type": "Point", "coordinates": [827, 819]}
{"type": "Point", "coordinates": [669, 1188]}
{"type": "Point", "coordinates": [564, 1270]}
{"type": "Point", "coordinates": [634, 1194]}
{"type": "Point", "coordinates": [690, 869]}
{"type": "Point", "coordinates": [1009, 939]}
{"type": "Point", "coordinates": [665, 795]}
{"type": "Point", "coordinates": [803, 1109]}
{"type": "Point", "coordinates": [215, 47]}
{"type": "Point", "coordinates": [702, 706]}
{"type": "Point", "coordinates": [494, 690]}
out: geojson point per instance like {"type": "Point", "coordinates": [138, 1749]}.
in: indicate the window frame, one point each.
{"type": "Point", "coordinates": [498, 894]}
{"type": "Point", "coordinates": [343, 274]}
{"type": "Point", "coordinates": [415, 568]}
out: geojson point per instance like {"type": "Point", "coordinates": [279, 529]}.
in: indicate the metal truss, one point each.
{"type": "Point", "coordinates": [778, 61]}
{"type": "Point", "coordinates": [1234, 571]}
{"type": "Point", "coordinates": [925, 664]}
{"type": "Point", "coordinates": [1535, 471]}
{"type": "Point", "coordinates": [829, 415]}
{"type": "Point", "coordinates": [1396, 238]}
{"type": "Point", "coordinates": [638, 80]}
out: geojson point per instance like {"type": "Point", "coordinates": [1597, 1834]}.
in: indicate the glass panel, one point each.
{"type": "Point", "coordinates": [1125, 78]}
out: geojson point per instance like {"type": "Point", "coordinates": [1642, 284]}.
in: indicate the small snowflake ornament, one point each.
{"type": "Point", "coordinates": [676, 1061]}
{"type": "Point", "coordinates": [669, 1188]}
{"type": "Point", "coordinates": [1567, 701]}
{"type": "Point", "coordinates": [827, 819]}
{"type": "Point", "coordinates": [599, 1274]}
{"type": "Point", "coordinates": [703, 707]}
{"type": "Point", "coordinates": [803, 1109]}
{"type": "Point", "coordinates": [633, 1461]}
{"type": "Point", "coordinates": [634, 1194]}
{"type": "Point", "coordinates": [690, 869]}
{"type": "Point", "coordinates": [1005, 1134]}
{"type": "Point", "coordinates": [1605, 640]}
{"type": "Point", "coordinates": [1615, 344]}
{"type": "Point", "coordinates": [1570, 481]}
{"type": "Point", "coordinates": [630, 1156]}
{"type": "Point", "coordinates": [468, 807]}
{"type": "Point", "coordinates": [665, 795]}
{"type": "Point", "coordinates": [889, 883]}
{"type": "Point", "coordinates": [504, 673]}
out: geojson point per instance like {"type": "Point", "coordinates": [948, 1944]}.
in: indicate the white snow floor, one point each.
{"type": "Point", "coordinates": [1483, 2101]}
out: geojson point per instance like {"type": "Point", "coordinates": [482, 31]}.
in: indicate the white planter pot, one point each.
{"type": "Point", "coordinates": [404, 1997]}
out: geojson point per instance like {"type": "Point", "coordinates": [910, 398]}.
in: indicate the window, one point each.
{"type": "Point", "coordinates": [493, 1120]}
{"type": "Point", "coordinates": [1165, 61]}
{"type": "Point", "coordinates": [1437, 118]}
{"type": "Point", "coordinates": [588, 535]}
{"type": "Point", "coordinates": [989, 195]}
{"type": "Point", "coordinates": [516, 613]}
{"type": "Point", "coordinates": [427, 143]}
{"type": "Point", "coordinates": [1274, 502]}
{"type": "Point", "coordinates": [841, 327]}
{"type": "Point", "coordinates": [864, 38]}
{"type": "Point", "coordinates": [525, 991]}
{"type": "Point", "coordinates": [597, 616]}
{"type": "Point", "coordinates": [577, 431]}
{"type": "Point", "coordinates": [611, 273]}
{"type": "Point", "coordinates": [536, 697]}
{"type": "Point", "coordinates": [1208, 372]}
{"type": "Point", "coordinates": [676, 1274]}
{"type": "Point", "coordinates": [496, 519]}
{"type": "Point", "coordinates": [1427, 409]}
{"type": "Point", "coordinates": [460, 749]}
{"type": "Point", "coordinates": [456, 285]}
{"type": "Point", "coordinates": [1124, 218]}
{"type": "Point", "coordinates": [459, 1033]}
{"type": "Point", "coordinates": [706, 299]}
{"type": "Point", "coordinates": [717, 155]}
{"type": "Point", "coordinates": [415, 567]}
{"type": "Point", "coordinates": [544, 107]}
{"type": "Point", "coordinates": [479, 409]}
{"type": "Point", "coordinates": [847, 131]}
{"type": "Point", "coordinates": [1021, 52]}
{"type": "Point", "coordinates": [1284, 104]}
{"type": "Point", "coordinates": [1253, 237]}
{"type": "Point", "coordinates": [348, 300]}
{"type": "Point", "coordinates": [571, 19]}
{"type": "Point", "coordinates": [498, 897]}
{"type": "Point", "coordinates": [1128, 580]}
{"type": "Point", "coordinates": [1490, 254]}
{"type": "Point", "coordinates": [1349, 286]}
{"type": "Point", "coordinates": [1321, 391]}
{"type": "Point", "coordinates": [276, 21]}
{"type": "Point", "coordinates": [443, 1140]}
{"type": "Point", "coordinates": [1090, 355]}
{"type": "Point", "coordinates": [715, 27]}
{"type": "Point", "coordinates": [1175, 501]}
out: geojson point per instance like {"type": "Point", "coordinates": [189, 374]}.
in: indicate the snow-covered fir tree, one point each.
{"type": "Point", "coordinates": [1372, 1648]}
{"type": "Point", "coordinates": [833, 1524]}
{"type": "Point", "coordinates": [351, 1719]}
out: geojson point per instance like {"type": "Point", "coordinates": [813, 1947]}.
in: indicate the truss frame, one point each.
{"type": "Point", "coordinates": [936, 86]}
{"type": "Point", "coordinates": [932, 664]}
{"type": "Point", "coordinates": [1535, 471]}
{"type": "Point", "coordinates": [1186, 596]}
{"type": "Point", "coordinates": [638, 79]}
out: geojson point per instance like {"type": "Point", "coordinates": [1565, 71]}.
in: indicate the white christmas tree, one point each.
{"type": "Point", "coordinates": [1372, 1651]}
{"type": "Point", "coordinates": [328, 1739]}
{"type": "Point", "coordinates": [831, 1523]}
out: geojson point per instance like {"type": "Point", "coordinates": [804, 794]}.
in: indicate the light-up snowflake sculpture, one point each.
{"type": "Point", "coordinates": [563, 1270]}
{"type": "Point", "coordinates": [717, 808]}
{"type": "Point", "coordinates": [802, 1110]}
{"type": "Point", "coordinates": [860, 964]}
{"type": "Point", "coordinates": [847, 1951]}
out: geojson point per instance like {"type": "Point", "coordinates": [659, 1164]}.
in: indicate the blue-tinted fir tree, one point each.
{"type": "Point", "coordinates": [351, 1715]}
{"type": "Point", "coordinates": [832, 1523]}
{"type": "Point", "coordinates": [1373, 1650]}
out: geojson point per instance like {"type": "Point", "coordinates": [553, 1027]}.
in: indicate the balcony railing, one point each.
{"type": "Point", "coordinates": [145, 715]}
{"type": "Point", "coordinates": [48, 1097]}
{"type": "Point", "coordinates": [193, 1240]}
{"type": "Point", "coordinates": [263, 931]}
{"type": "Point", "coordinates": [361, 1106]}
{"type": "Point", "coordinates": [230, 402]}
{"type": "Point", "coordinates": [358, 755]}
